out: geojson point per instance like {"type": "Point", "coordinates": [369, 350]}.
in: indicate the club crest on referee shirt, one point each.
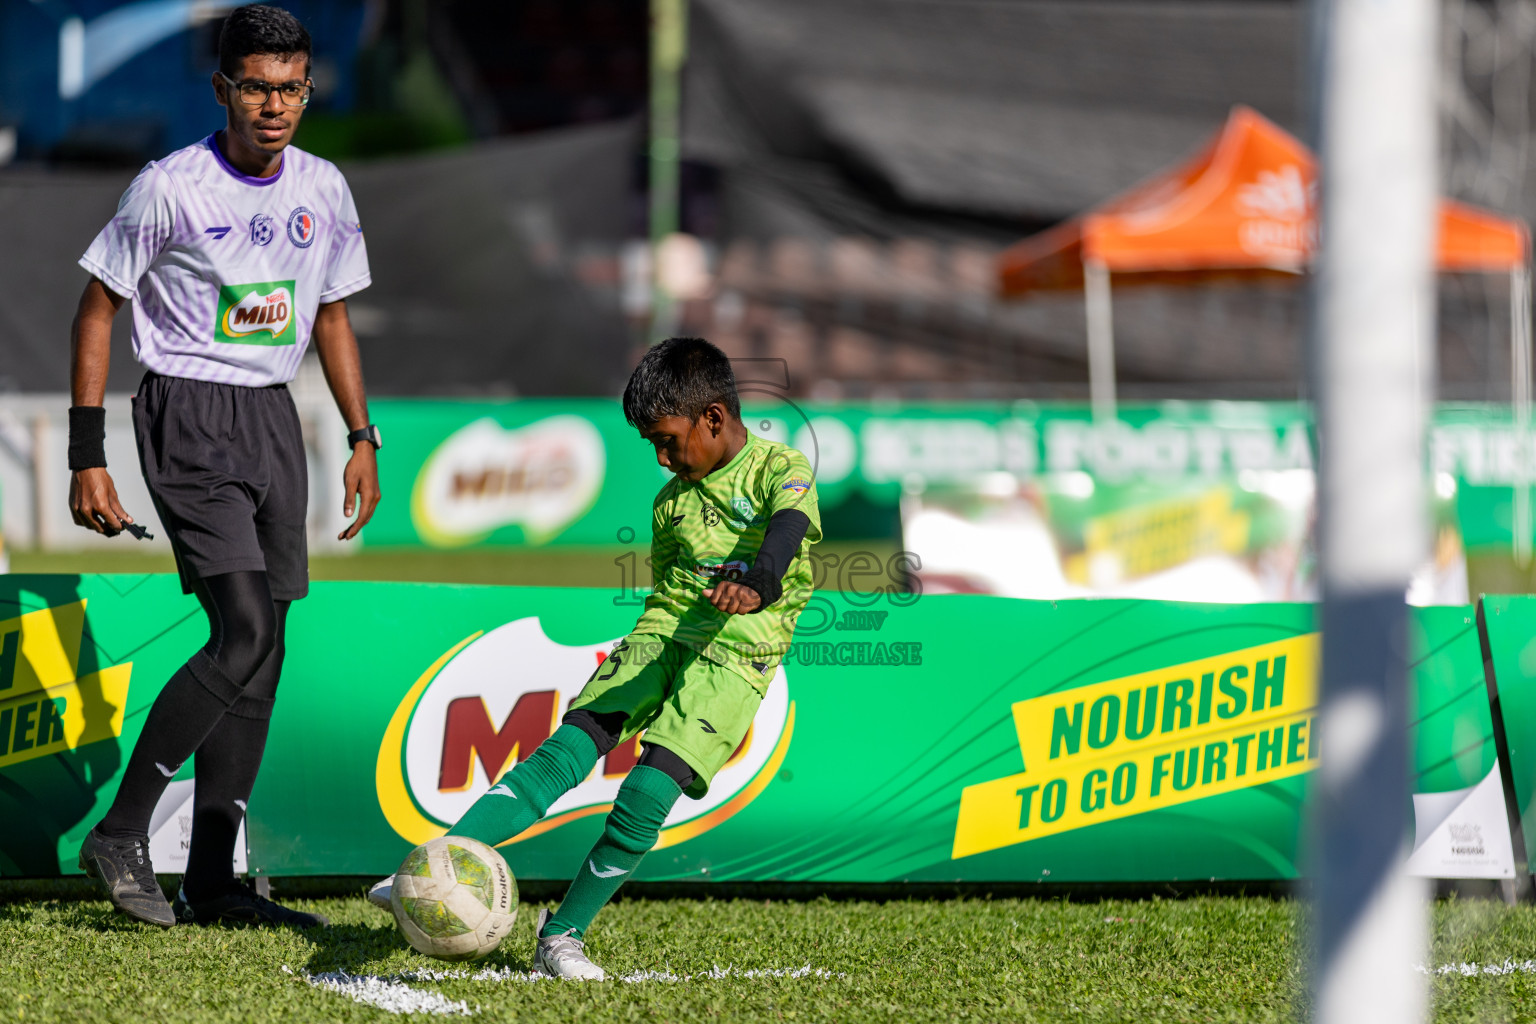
{"type": "Point", "coordinates": [301, 227]}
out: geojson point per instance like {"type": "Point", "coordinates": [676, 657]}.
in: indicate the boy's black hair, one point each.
{"type": "Point", "coordinates": [258, 28]}
{"type": "Point", "coordinates": [680, 377]}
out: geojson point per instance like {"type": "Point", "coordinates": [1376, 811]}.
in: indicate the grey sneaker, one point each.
{"type": "Point", "coordinates": [561, 956]}
{"type": "Point", "coordinates": [380, 893]}
{"type": "Point", "coordinates": [122, 866]}
{"type": "Point", "coordinates": [240, 904]}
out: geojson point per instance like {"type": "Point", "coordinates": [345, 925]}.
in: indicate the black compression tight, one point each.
{"type": "Point", "coordinates": [607, 727]}
{"type": "Point", "coordinates": [227, 762]}
{"type": "Point", "coordinates": [244, 624]}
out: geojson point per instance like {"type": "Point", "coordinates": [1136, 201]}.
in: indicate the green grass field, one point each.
{"type": "Point", "coordinates": [1201, 959]}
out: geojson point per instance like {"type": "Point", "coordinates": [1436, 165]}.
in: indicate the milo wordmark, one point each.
{"type": "Point", "coordinates": [256, 314]}
{"type": "Point", "coordinates": [1148, 741]}
{"type": "Point", "coordinates": [490, 700]}
{"type": "Point", "coordinates": [540, 478]}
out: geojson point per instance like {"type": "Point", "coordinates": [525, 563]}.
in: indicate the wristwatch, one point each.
{"type": "Point", "coordinates": [370, 433]}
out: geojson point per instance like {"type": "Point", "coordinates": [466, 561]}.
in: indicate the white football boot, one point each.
{"type": "Point", "coordinates": [561, 956]}
{"type": "Point", "coordinates": [379, 894]}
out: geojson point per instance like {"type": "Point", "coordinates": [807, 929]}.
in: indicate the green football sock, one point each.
{"type": "Point", "coordinates": [633, 826]}
{"type": "Point", "coordinates": [525, 793]}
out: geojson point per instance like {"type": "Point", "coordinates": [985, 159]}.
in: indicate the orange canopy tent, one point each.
{"type": "Point", "coordinates": [1243, 207]}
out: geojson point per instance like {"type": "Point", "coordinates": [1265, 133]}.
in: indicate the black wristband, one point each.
{"type": "Point", "coordinates": [786, 529]}
{"type": "Point", "coordinates": [87, 437]}
{"type": "Point", "coordinates": [763, 584]}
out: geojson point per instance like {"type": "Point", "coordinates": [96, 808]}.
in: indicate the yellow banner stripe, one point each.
{"type": "Point", "coordinates": [1032, 805]}
{"type": "Point", "coordinates": [63, 717]}
{"type": "Point", "coordinates": [1156, 739]}
{"type": "Point", "coordinates": [1169, 705]}
{"type": "Point", "coordinates": [389, 774]}
{"type": "Point", "coordinates": [40, 649]}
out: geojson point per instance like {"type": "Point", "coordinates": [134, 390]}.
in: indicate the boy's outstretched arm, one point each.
{"type": "Point", "coordinates": [764, 582]}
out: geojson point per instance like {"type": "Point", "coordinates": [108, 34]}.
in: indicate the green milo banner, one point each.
{"type": "Point", "coordinates": [1509, 650]}
{"type": "Point", "coordinates": [541, 471]}
{"type": "Point", "coordinates": [1157, 484]}
{"type": "Point", "coordinates": [907, 738]}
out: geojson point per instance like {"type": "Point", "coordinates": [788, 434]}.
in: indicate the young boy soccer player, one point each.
{"type": "Point", "coordinates": [234, 251]}
{"type": "Point", "coordinates": [695, 668]}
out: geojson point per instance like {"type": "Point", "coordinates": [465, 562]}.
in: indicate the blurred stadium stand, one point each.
{"type": "Point", "coordinates": [929, 133]}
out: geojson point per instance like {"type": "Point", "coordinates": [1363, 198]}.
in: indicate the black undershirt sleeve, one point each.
{"type": "Point", "coordinates": [782, 539]}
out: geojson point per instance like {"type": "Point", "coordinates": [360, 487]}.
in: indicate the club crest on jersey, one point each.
{"type": "Point", "coordinates": [301, 227]}
{"type": "Point", "coordinates": [256, 314]}
{"type": "Point", "coordinates": [742, 514]}
{"type": "Point", "coordinates": [262, 229]}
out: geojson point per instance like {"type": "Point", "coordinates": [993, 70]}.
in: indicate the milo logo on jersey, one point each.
{"type": "Point", "coordinates": [1150, 741]}
{"type": "Point", "coordinates": [487, 702]}
{"type": "Point", "coordinates": [256, 314]}
{"type": "Point", "coordinates": [721, 569]}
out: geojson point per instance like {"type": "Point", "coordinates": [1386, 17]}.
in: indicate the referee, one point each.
{"type": "Point", "coordinates": [234, 252]}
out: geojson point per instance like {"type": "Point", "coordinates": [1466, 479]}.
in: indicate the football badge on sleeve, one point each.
{"type": "Point", "coordinates": [301, 227]}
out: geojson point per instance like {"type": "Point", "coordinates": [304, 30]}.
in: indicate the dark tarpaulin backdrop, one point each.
{"type": "Point", "coordinates": [937, 117]}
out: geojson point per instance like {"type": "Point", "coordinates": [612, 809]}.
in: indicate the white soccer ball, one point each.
{"type": "Point", "coordinates": [454, 898]}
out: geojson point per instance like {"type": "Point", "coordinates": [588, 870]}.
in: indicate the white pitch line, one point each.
{"type": "Point", "coordinates": [391, 993]}
{"type": "Point", "coordinates": [1471, 970]}
{"type": "Point", "coordinates": [387, 994]}
{"type": "Point", "coordinates": [713, 974]}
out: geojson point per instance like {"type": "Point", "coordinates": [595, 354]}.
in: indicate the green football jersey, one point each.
{"type": "Point", "coordinates": [711, 530]}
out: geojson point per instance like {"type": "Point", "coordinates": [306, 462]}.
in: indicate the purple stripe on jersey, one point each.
{"type": "Point", "coordinates": [194, 204]}
{"type": "Point", "coordinates": [235, 173]}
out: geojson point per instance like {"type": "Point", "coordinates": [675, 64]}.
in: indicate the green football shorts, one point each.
{"type": "Point", "coordinates": [695, 708]}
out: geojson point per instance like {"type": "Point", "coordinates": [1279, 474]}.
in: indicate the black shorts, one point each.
{"type": "Point", "coordinates": [225, 467]}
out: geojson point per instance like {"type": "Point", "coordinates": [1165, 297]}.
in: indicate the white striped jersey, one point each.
{"type": "Point", "coordinates": [226, 271]}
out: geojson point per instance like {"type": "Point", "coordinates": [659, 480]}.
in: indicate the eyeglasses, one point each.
{"type": "Point", "coordinates": [254, 94]}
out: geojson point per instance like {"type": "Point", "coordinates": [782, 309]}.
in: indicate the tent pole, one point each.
{"type": "Point", "coordinates": [1520, 399]}
{"type": "Point", "coordinates": [1101, 338]}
